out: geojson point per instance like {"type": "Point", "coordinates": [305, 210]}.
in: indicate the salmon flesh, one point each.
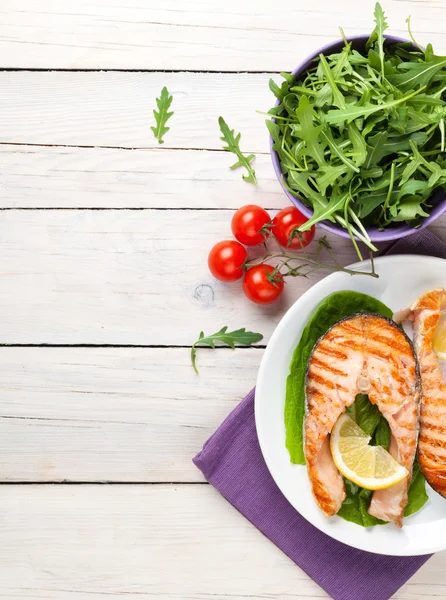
{"type": "Point", "coordinates": [362, 354]}
{"type": "Point", "coordinates": [425, 314]}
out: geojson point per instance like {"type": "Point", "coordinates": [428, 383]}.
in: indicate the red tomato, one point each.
{"type": "Point", "coordinates": [285, 223]}
{"type": "Point", "coordinates": [258, 288]}
{"type": "Point", "coordinates": [247, 223]}
{"type": "Point", "coordinates": [226, 260]}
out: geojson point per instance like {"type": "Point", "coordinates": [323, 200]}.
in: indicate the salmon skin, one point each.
{"type": "Point", "coordinates": [362, 354]}
{"type": "Point", "coordinates": [425, 314]}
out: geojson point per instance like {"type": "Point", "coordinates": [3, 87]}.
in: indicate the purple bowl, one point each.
{"type": "Point", "coordinates": [438, 199]}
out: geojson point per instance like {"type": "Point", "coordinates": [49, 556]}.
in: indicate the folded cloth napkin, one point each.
{"type": "Point", "coordinates": [232, 462]}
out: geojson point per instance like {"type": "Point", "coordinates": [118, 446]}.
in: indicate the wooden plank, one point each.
{"type": "Point", "coordinates": [252, 35]}
{"type": "Point", "coordinates": [124, 277]}
{"type": "Point", "coordinates": [137, 542]}
{"type": "Point", "coordinates": [114, 414]}
{"type": "Point", "coordinates": [141, 542]}
{"type": "Point", "coordinates": [54, 177]}
{"type": "Point", "coordinates": [115, 109]}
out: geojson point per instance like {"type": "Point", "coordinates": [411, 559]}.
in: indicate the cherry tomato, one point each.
{"type": "Point", "coordinates": [285, 225]}
{"type": "Point", "coordinates": [226, 260]}
{"type": "Point", "coordinates": [247, 223]}
{"type": "Point", "coordinates": [258, 288]}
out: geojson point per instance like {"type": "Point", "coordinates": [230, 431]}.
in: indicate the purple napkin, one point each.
{"type": "Point", "coordinates": [232, 462]}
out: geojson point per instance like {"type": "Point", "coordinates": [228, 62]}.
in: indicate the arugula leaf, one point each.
{"type": "Point", "coordinates": [162, 115]}
{"type": "Point", "coordinates": [291, 102]}
{"type": "Point", "coordinates": [309, 133]}
{"type": "Point", "coordinates": [338, 98]}
{"type": "Point", "coordinates": [233, 141]}
{"type": "Point", "coordinates": [358, 143]}
{"type": "Point", "coordinates": [352, 112]}
{"type": "Point", "coordinates": [437, 179]}
{"type": "Point", "coordinates": [414, 41]}
{"type": "Point", "coordinates": [416, 74]}
{"type": "Point", "coordinates": [401, 143]}
{"type": "Point", "coordinates": [419, 120]}
{"type": "Point", "coordinates": [372, 172]}
{"type": "Point", "coordinates": [417, 161]}
{"type": "Point", "coordinates": [324, 96]}
{"type": "Point", "coordinates": [413, 186]}
{"type": "Point", "coordinates": [275, 133]}
{"type": "Point", "coordinates": [225, 337]}
{"type": "Point", "coordinates": [342, 61]}
{"type": "Point", "coordinates": [425, 99]}
{"type": "Point", "coordinates": [377, 36]}
{"type": "Point", "coordinates": [299, 181]}
{"type": "Point", "coordinates": [328, 175]}
{"type": "Point", "coordinates": [368, 202]}
{"type": "Point", "coordinates": [334, 147]}
{"type": "Point", "coordinates": [372, 124]}
{"type": "Point", "coordinates": [408, 209]}
{"type": "Point", "coordinates": [289, 77]}
{"type": "Point", "coordinates": [335, 204]}
{"type": "Point", "coordinates": [279, 92]}
{"type": "Point", "coordinates": [376, 152]}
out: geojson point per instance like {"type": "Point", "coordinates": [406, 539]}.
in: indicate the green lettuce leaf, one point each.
{"type": "Point", "coordinates": [417, 491]}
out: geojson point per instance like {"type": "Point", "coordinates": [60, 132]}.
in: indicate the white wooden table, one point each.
{"type": "Point", "coordinates": [104, 286]}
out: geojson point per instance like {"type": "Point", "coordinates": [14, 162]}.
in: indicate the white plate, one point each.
{"type": "Point", "coordinates": [401, 280]}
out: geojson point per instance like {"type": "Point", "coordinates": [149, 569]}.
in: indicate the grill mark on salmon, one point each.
{"type": "Point", "coordinates": [370, 350]}
{"type": "Point", "coordinates": [327, 383]}
{"type": "Point", "coordinates": [327, 367]}
{"type": "Point", "coordinates": [328, 351]}
{"type": "Point", "coordinates": [434, 426]}
{"type": "Point", "coordinates": [435, 411]}
{"type": "Point", "coordinates": [425, 314]}
{"type": "Point", "coordinates": [388, 342]}
{"type": "Point", "coordinates": [430, 455]}
{"type": "Point", "coordinates": [352, 344]}
{"type": "Point", "coordinates": [433, 442]}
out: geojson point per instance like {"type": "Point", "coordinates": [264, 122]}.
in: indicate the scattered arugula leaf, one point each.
{"type": "Point", "coordinates": [225, 337]}
{"type": "Point", "coordinates": [233, 145]}
{"type": "Point", "coordinates": [361, 135]}
{"type": "Point", "coordinates": [162, 115]}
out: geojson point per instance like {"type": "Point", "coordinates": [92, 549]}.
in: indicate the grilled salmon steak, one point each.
{"type": "Point", "coordinates": [362, 354]}
{"type": "Point", "coordinates": [425, 314]}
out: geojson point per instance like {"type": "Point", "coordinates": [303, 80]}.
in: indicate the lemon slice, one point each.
{"type": "Point", "coordinates": [370, 467]}
{"type": "Point", "coordinates": [439, 339]}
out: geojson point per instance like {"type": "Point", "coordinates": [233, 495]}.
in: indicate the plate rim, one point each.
{"type": "Point", "coordinates": [282, 325]}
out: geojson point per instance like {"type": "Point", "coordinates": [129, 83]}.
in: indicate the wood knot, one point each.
{"type": "Point", "coordinates": [204, 294]}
